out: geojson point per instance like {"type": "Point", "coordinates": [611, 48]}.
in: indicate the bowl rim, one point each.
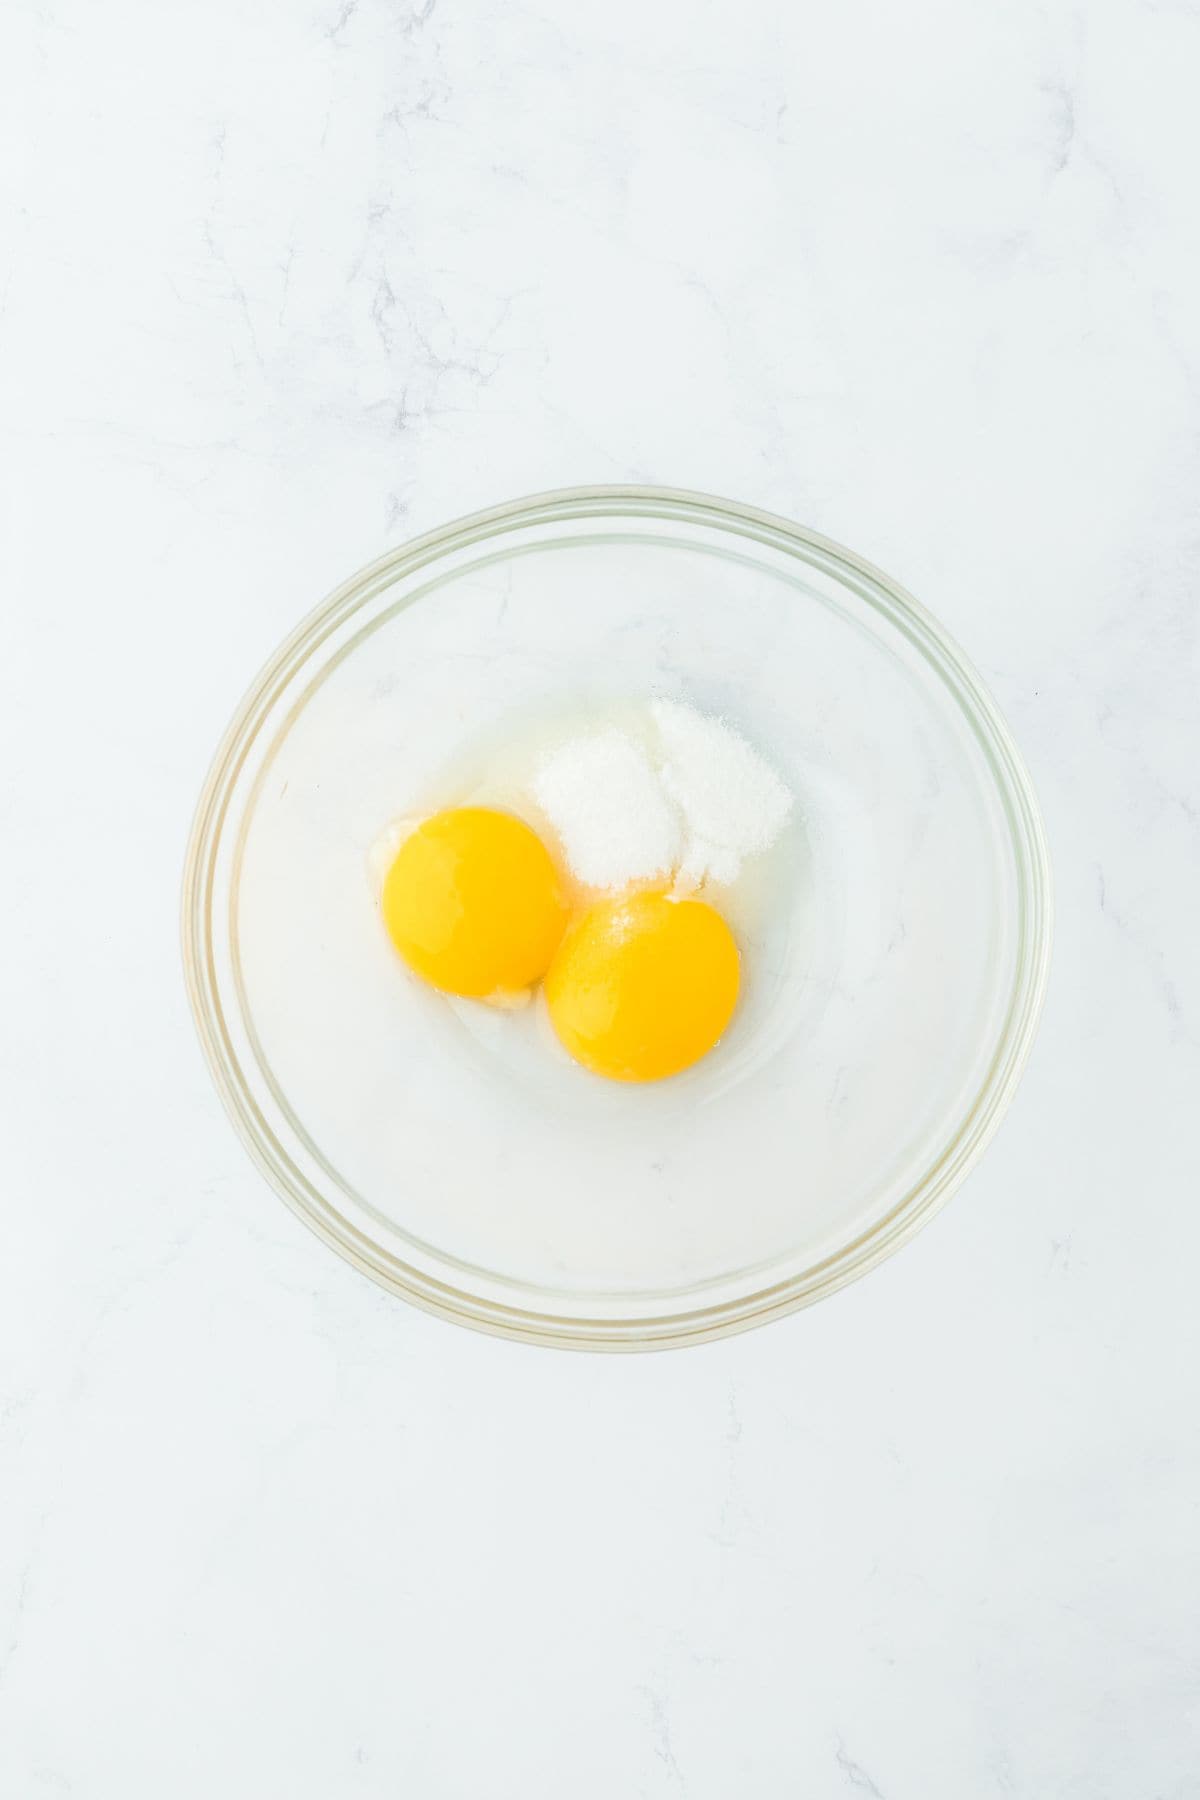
{"type": "Point", "coordinates": [939, 1180]}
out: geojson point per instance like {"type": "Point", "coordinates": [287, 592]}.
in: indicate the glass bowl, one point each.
{"type": "Point", "coordinates": [889, 1031]}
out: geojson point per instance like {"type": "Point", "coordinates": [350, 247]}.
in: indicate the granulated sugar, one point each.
{"type": "Point", "coordinates": [690, 804]}
{"type": "Point", "coordinates": [732, 802]}
{"type": "Point", "coordinates": [609, 808]}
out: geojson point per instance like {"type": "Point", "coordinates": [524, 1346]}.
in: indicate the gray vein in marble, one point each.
{"type": "Point", "coordinates": [1063, 97]}
{"type": "Point", "coordinates": [660, 1722]}
{"type": "Point", "coordinates": [18, 1614]}
{"type": "Point", "coordinates": [53, 1778]}
{"type": "Point", "coordinates": [724, 1535]}
{"type": "Point", "coordinates": [855, 1774]}
{"type": "Point", "coordinates": [1151, 954]}
{"type": "Point", "coordinates": [209, 233]}
{"type": "Point", "coordinates": [345, 14]}
{"type": "Point", "coordinates": [285, 269]}
{"type": "Point", "coordinates": [418, 16]}
{"type": "Point", "coordinates": [1060, 1255]}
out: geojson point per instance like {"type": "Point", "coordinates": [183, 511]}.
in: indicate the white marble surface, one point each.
{"type": "Point", "coordinates": [284, 282]}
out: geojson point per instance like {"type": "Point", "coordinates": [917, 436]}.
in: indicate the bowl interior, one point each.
{"type": "Point", "coordinates": [890, 986]}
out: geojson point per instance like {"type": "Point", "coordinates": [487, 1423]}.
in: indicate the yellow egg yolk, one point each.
{"type": "Point", "coordinates": [643, 986]}
{"type": "Point", "coordinates": [472, 902]}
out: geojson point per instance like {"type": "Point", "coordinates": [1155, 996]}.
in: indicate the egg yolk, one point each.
{"type": "Point", "coordinates": [643, 986]}
{"type": "Point", "coordinates": [472, 902]}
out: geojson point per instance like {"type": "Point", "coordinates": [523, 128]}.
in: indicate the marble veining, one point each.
{"type": "Point", "coordinates": [285, 284]}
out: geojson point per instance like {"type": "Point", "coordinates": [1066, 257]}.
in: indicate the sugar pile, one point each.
{"type": "Point", "coordinates": [610, 810]}
{"type": "Point", "coordinates": [688, 802]}
{"type": "Point", "coordinates": [732, 802]}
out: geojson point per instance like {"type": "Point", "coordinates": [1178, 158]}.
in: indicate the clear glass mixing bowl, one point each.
{"type": "Point", "coordinates": [577, 1212]}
